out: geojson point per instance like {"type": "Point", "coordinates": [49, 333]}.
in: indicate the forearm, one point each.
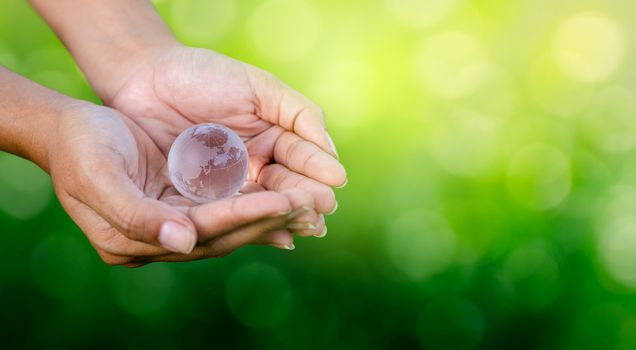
{"type": "Point", "coordinates": [106, 36]}
{"type": "Point", "coordinates": [28, 115]}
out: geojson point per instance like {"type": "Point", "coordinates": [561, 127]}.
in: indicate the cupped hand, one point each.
{"type": "Point", "coordinates": [111, 178]}
{"type": "Point", "coordinates": [171, 88]}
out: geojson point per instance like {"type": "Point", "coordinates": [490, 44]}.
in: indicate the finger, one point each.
{"type": "Point", "coordinates": [266, 231]}
{"type": "Point", "coordinates": [260, 149]}
{"type": "Point", "coordinates": [276, 177]}
{"type": "Point", "coordinates": [291, 150]}
{"type": "Point", "coordinates": [112, 194]}
{"type": "Point", "coordinates": [309, 224]}
{"type": "Point", "coordinates": [299, 198]}
{"type": "Point", "coordinates": [251, 187]}
{"type": "Point", "coordinates": [305, 118]}
{"type": "Point", "coordinates": [281, 239]}
{"type": "Point", "coordinates": [293, 111]}
{"type": "Point", "coordinates": [306, 158]}
{"type": "Point", "coordinates": [219, 217]}
{"type": "Point", "coordinates": [112, 247]}
{"type": "Point", "coordinates": [227, 244]}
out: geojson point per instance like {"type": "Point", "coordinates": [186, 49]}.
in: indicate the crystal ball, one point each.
{"type": "Point", "coordinates": [207, 162]}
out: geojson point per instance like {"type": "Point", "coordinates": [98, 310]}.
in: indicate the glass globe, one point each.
{"type": "Point", "coordinates": [208, 162]}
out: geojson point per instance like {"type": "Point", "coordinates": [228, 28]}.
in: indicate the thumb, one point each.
{"type": "Point", "coordinates": [115, 197]}
{"type": "Point", "coordinates": [151, 221]}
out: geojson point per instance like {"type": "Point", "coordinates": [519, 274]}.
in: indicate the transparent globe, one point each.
{"type": "Point", "coordinates": [208, 162]}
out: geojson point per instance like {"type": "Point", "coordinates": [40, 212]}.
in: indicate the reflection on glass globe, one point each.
{"type": "Point", "coordinates": [207, 162]}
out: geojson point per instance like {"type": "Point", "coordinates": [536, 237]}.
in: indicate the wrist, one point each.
{"type": "Point", "coordinates": [124, 62]}
{"type": "Point", "coordinates": [57, 124]}
{"type": "Point", "coordinates": [108, 39]}
{"type": "Point", "coordinates": [29, 117]}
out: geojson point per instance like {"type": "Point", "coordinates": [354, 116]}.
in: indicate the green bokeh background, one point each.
{"type": "Point", "coordinates": [491, 150]}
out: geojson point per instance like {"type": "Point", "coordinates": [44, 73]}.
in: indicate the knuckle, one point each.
{"type": "Point", "coordinates": [297, 196]}
{"type": "Point", "coordinates": [293, 148]}
{"type": "Point", "coordinates": [126, 217]}
{"type": "Point", "coordinates": [284, 203]}
{"type": "Point", "coordinates": [277, 201]}
{"type": "Point", "coordinates": [279, 180]}
{"type": "Point", "coordinates": [307, 162]}
{"type": "Point", "coordinates": [306, 198]}
{"type": "Point", "coordinates": [132, 221]}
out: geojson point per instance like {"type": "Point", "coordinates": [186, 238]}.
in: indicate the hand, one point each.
{"type": "Point", "coordinates": [172, 87]}
{"type": "Point", "coordinates": [136, 65]}
{"type": "Point", "coordinates": [112, 180]}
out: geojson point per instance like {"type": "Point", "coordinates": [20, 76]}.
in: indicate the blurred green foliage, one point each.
{"type": "Point", "coordinates": [491, 150]}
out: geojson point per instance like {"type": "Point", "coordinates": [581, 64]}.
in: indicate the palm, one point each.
{"type": "Point", "coordinates": [112, 180]}
{"type": "Point", "coordinates": [192, 86]}
{"type": "Point", "coordinates": [108, 147]}
{"type": "Point", "coordinates": [186, 86]}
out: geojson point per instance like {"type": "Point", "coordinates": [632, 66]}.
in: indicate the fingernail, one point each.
{"type": "Point", "coordinates": [289, 246]}
{"type": "Point", "coordinates": [301, 226]}
{"type": "Point", "coordinates": [333, 210]}
{"type": "Point", "coordinates": [322, 234]}
{"type": "Point", "coordinates": [298, 212]}
{"type": "Point", "coordinates": [332, 145]}
{"type": "Point", "coordinates": [282, 213]}
{"type": "Point", "coordinates": [176, 237]}
{"type": "Point", "coordinates": [344, 184]}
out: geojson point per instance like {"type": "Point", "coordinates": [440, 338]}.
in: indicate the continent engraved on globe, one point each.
{"type": "Point", "coordinates": [207, 162]}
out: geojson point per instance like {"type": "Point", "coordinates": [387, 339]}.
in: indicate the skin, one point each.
{"type": "Point", "coordinates": [111, 178]}
{"type": "Point", "coordinates": [108, 165]}
{"type": "Point", "coordinates": [136, 66]}
{"type": "Point", "coordinates": [182, 86]}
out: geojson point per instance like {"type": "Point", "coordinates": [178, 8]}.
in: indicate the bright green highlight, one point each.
{"type": "Point", "coordinates": [491, 150]}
